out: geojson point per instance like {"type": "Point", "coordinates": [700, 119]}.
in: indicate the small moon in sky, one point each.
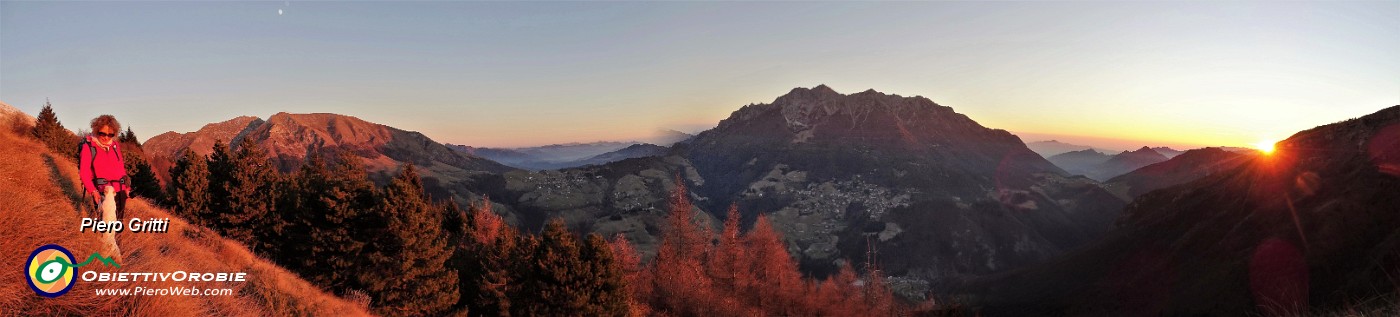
{"type": "Point", "coordinates": [279, 11]}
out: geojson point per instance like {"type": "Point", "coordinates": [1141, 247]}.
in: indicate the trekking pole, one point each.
{"type": "Point", "coordinates": [83, 202]}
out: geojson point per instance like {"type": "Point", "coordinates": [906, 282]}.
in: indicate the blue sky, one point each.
{"type": "Point", "coordinates": [518, 74]}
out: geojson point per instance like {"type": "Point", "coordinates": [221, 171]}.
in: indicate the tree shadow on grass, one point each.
{"type": "Point", "coordinates": [65, 185]}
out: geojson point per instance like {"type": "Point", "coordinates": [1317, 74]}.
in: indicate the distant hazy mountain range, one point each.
{"type": "Point", "coordinates": [1094, 164]}
{"type": "Point", "coordinates": [1188, 166]}
{"type": "Point", "coordinates": [1168, 152]}
{"type": "Point", "coordinates": [1099, 166]}
{"type": "Point", "coordinates": [1126, 162]}
{"type": "Point", "coordinates": [557, 156]}
{"type": "Point", "coordinates": [1055, 147]}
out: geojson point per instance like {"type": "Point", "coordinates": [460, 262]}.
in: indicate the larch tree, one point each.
{"type": "Point", "coordinates": [636, 277]}
{"type": "Point", "coordinates": [777, 284]}
{"type": "Point", "coordinates": [680, 283]}
{"type": "Point", "coordinates": [725, 262]}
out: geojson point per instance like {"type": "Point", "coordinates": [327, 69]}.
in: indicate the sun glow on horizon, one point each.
{"type": "Point", "coordinates": [1265, 146]}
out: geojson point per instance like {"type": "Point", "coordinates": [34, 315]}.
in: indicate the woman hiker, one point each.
{"type": "Point", "coordinates": [102, 171]}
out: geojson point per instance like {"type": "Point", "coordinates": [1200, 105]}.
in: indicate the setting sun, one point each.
{"type": "Point", "coordinates": [1265, 146]}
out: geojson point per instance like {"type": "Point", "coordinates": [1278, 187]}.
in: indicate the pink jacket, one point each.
{"type": "Point", "coordinates": [108, 164]}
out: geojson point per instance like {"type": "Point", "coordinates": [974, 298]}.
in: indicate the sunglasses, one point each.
{"type": "Point", "coordinates": [104, 135]}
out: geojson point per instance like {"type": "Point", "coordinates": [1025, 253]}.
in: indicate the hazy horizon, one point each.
{"type": "Point", "coordinates": [525, 74]}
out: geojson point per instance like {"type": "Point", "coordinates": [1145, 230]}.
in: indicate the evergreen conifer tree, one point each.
{"type": "Point", "coordinates": [220, 165]}
{"type": "Point", "coordinates": [486, 278]}
{"type": "Point", "coordinates": [49, 131]}
{"type": "Point", "coordinates": [324, 205]}
{"type": "Point", "coordinates": [557, 280]}
{"type": "Point", "coordinates": [605, 282]}
{"type": "Point", "coordinates": [143, 180]}
{"type": "Point", "coordinates": [251, 195]}
{"type": "Point", "coordinates": [188, 190]}
{"type": "Point", "coordinates": [408, 272]}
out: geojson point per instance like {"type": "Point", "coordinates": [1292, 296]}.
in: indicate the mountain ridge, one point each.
{"type": "Point", "coordinates": [1048, 148]}
{"type": "Point", "coordinates": [1189, 165]}
{"type": "Point", "coordinates": [289, 138]}
{"type": "Point", "coordinates": [1310, 225]}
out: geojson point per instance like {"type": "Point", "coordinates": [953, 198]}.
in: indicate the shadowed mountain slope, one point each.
{"type": "Point", "coordinates": [1312, 225]}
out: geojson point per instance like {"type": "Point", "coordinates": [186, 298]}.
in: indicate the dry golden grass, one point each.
{"type": "Point", "coordinates": [37, 197]}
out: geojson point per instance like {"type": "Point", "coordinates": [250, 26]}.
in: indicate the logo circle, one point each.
{"type": "Point", "coordinates": [50, 271]}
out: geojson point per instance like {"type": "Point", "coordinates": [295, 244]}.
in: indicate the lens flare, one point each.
{"type": "Point", "coordinates": [1265, 146]}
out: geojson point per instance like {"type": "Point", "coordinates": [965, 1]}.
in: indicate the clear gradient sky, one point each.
{"type": "Point", "coordinates": [519, 74]}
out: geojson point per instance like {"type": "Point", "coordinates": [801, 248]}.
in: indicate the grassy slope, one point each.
{"type": "Point", "coordinates": [37, 207]}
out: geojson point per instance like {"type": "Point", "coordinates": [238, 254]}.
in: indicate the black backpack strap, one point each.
{"type": "Point", "coordinates": [122, 159]}
{"type": "Point", "coordinates": [92, 159]}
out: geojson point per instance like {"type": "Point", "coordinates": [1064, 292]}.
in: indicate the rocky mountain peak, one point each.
{"type": "Point", "coordinates": [837, 168]}
{"type": "Point", "coordinates": [297, 135]}
{"type": "Point", "coordinates": [822, 113]}
{"type": "Point", "coordinates": [169, 144]}
{"type": "Point", "coordinates": [823, 89]}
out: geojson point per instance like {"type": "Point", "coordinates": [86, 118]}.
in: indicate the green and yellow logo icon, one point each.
{"type": "Point", "coordinates": [50, 271]}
